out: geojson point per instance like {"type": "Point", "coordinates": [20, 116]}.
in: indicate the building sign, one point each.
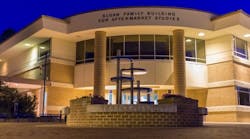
{"type": "Point", "coordinates": [138, 16]}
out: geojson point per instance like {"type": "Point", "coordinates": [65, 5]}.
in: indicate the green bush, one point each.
{"type": "Point", "coordinates": [10, 98]}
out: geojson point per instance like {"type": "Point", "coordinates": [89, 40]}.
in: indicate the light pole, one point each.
{"type": "Point", "coordinates": [44, 82]}
{"type": "Point", "coordinates": [132, 81]}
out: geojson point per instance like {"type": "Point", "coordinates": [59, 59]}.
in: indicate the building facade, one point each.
{"type": "Point", "coordinates": [62, 59]}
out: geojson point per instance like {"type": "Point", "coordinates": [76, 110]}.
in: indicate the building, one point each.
{"type": "Point", "coordinates": [216, 47]}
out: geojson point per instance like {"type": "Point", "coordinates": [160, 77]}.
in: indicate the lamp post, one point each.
{"type": "Point", "coordinates": [118, 81]}
{"type": "Point", "coordinates": [44, 82]}
{"type": "Point", "coordinates": [132, 81]}
{"type": "Point", "coordinates": [139, 92]}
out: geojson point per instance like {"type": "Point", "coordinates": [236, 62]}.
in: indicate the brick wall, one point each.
{"type": "Point", "coordinates": [83, 114]}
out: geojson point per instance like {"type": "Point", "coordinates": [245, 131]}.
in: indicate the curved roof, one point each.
{"type": "Point", "coordinates": [134, 16]}
{"type": "Point", "coordinates": [124, 7]}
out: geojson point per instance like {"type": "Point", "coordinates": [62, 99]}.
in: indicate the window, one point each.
{"type": "Point", "coordinates": [80, 52]}
{"type": "Point", "coordinates": [44, 49]}
{"type": "Point", "coordinates": [132, 46]}
{"type": "Point", "coordinates": [190, 49]}
{"type": "Point", "coordinates": [116, 44]}
{"type": "Point", "coordinates": [201, 52]}
{"type": "Point", "coordinates": [171, 47]}
{"type": "Point", "coordinates": [243, 96]}
{"type": "Point", "coordinates": [108, 49]}
{"type": "Point", "coordinates": [89, 50]}
{"type": "Point", "coordinates": [147, 46]}
{"type": "Point", "coordinates": [240, 48]}
{"type": "Point", "coordinates": [162, 47]}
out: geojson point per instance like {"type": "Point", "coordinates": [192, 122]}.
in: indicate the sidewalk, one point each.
{"type": "Point", "coordinates": [61, 131]}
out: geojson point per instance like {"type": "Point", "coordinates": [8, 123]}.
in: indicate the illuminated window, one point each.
{"type": "Point", "coordinates": [243, 96]}
{"type": "Point", "coordinates": [195, 50]}
{"type": "Point", "coordinates": [200, 48]}
{"type": "Point", "coordinates": [110, 97]}
{"type": "Point", "coordinates": [142, 47]}
{"type": "Point", "coordinates": [240, 48]}
{"type": "Point", "coordinates": [190, 49]}
{"type": "Point", "coordinates": [44, 49]}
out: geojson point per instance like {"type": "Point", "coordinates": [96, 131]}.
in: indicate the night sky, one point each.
{"type": "Point", "coordinates": [17, 14]}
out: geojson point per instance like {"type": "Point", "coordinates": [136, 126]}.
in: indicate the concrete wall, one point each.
{"type": "Point", "coordinates": [242, 72]}
{"type": "Point", "coordinates": [61, 73]}
{"type": "Point", "coordinates": [219, 49]}
{"type": "Point", "coordinates": [231, 113]}
{"type": "Point", "coordinates": [59, 97]}
{"type": "Point", "coordinates": [159, 72]}
{"type": "Point", "coordinates": [220, 71]}
{"type": "Point", "coordinates": [198, 94]}
{"type": "Point", "coordinates": [21, 63]}
{"type": "Point", "coordinates": [222, 96]}
{"type": "Point", "coordinates": [78, 22]}
{"type": "Point", "coordinates": [62, 61]}
{"type": "Point", "coordinates": [63, 49]}
{"type": "Point", "coordinates": [221, 117]}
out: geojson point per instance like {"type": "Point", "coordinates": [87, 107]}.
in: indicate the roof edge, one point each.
{"type": "Point", "coordinates": [231, 13]}
{"type": "Point", "coordinates": [124, 7]}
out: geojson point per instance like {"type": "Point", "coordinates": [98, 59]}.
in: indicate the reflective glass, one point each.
{"type": "Point", "coordinates": [200, 47]}
{"type": "Point", "coordinates": [132, 46]}
{"type": "Point", "coordinates": [116, 44]}
{"type": "Point", "coordinates": [147, 46]}
{"type": "Point", "coordinates": [240, 48]}
{"type": "Point", "coordinates": [190, 49]}
{"type": "Point", "coordinates": [162, 49]}
{"type": "Point", "coordinates": [89, 50]}
{"type": "Point", "coordinates": [80, 52]}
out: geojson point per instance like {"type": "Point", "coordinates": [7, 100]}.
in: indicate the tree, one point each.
{"type": "Point", "coordinates": [15, 104]}
{"type": "Point", "coordinates": [7, 33]}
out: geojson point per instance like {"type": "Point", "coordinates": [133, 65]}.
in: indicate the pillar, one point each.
{"type": "Point", "coordinates": [179, 62]}
{"type": "Point", "coordinates": [100, 63]}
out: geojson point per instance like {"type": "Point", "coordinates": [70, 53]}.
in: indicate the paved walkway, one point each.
{"type": "Point", "coordinates": [61, 131]}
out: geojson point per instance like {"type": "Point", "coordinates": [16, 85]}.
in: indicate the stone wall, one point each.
{"type": "Point", "coordinates": [84, 114]}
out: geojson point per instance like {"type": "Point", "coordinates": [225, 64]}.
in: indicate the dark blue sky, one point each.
{"type": "Point", "coordinates": [19, 13]}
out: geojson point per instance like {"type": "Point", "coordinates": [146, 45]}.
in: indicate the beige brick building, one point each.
{"type": "Point", "coordinates": [79, 54]}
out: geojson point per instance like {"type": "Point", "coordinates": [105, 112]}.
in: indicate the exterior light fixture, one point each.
{"type": "Point", "coordinates": [247, 35]}
{"type": "Point", "coordinates": [188, 40]}
{"type": "Point", "coordinates": [42, 47]}
{"type": "Point", "coordinates": [137, 71]}
{"type": "Point", "coordinates": [27, 44]}
{"type": "Point", "coordinates": [201, 34]}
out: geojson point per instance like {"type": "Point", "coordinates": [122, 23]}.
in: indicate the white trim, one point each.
{"type": "Point", "coordinates": [64, 85]}
{"type": "Point", "coordinates": [242, 83]}
{"type": "Point", "coordinates": [221, 83]}
{"type": "Point", "coordinates": [230, 108]}
{"type": "Point", "coordinates": [241, 60]}
{"type": "Point", "coordinates": [228, 83]}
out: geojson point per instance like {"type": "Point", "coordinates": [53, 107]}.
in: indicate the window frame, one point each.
{"type": "Point", "coordinates": [239, 54]}
{"type": "Point", "coordinates": [41, 57]}
{"type": "Point", "coordinates": [239, 91]}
